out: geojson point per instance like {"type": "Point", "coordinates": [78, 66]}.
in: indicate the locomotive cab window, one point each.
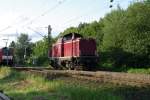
{"type": "Point", "coordinates": [7, 51]}
{"type": "Point", "coordinates": [71, 36]}
{"type": "Point", "coordinates": [67, 37]}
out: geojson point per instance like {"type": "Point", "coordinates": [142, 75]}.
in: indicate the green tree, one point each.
{"type": "Point", "coordinates": [147, 1]}
{"type": "Point", "coordinates": [114, 29]}
{"type": "Point", "coordinates": [23, 48]}
{"type": "Point", "coordinates": [40, 51]}
{"type": "Point", "coordinates": [113, 39]}
{"type": "Point", "coordinates": [69, 30]}
{"type": "Point", "coordinates": [93, 30]}
{"type": "Point", "coordinates": [12, 44]}
{"type": "Point", "coordinates": [127, 35]}
{"type": "Point", "coordinates": [138, 38]}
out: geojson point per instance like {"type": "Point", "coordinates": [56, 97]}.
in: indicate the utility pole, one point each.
{"type": "Point", "coordinates": [6, 41]}
{"type": "Point", "coordinates": [49, 38]}
{"type": "Point", "coordinates": [6, 50]}
{"type": "Point", "coordinates": [49, 33]}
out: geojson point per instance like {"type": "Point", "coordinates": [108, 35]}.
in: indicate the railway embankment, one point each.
{"type": "Point", "coordinates": [97, 76]}
{"type": "Point", "coordinates": [65, 85]}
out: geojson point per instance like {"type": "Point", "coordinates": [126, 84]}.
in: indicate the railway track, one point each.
{"type": "Point", "coordinates": [98, 76]}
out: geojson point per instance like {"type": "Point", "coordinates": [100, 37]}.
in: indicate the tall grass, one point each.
{"type": "Point", "coordinates": [84, 93]}
{"type": "Point", "coordinates": [23, 86]}
{"type": "Point", "coordinates": [139, 71]}
{"type": "Point", "coordinates": [4, 72]}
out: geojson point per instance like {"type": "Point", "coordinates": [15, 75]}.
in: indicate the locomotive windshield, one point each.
{"type": "Point", "coordinates": [7, 51]}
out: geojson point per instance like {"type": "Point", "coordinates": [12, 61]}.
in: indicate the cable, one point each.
{"type": "Point", "coordinates": [43, 14]}
{"type": "Point", "coordinates": [14, 23]}
{"type": "Point", "coordinates": [46, 12]}
{"type": "Point", "coordinates": [35, 31]}
{"type": "Point", "coordinates": [8, 27]}
{"type": "Point", "coordinates": [12, 35]}
{"type": "Point", "coordinates": [78, 17]}
{"type": "Point", "coordinates": [87, 13]}
{"type": "Point", "coordinates": [31, 21]}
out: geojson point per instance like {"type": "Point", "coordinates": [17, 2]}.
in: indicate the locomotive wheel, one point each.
{"type": "Point", "coordinates": [54, 64]}
{"type": "Point", "coordinates": [69, 65]}
{"type": "Point", "coordinates": [77, 65]}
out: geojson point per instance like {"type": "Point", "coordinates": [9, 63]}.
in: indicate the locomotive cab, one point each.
{"type": "Point", "coordinates": [6, 56]}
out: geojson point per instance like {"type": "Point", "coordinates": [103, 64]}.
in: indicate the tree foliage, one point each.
{"type": "Point", "coordinates": [22, 48]}
{"type": "Point", "coordinates": [12, 44]}
{"type": "Point", "coordinates": [40, 52]}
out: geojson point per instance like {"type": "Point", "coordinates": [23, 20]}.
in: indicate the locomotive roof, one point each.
{"type": "Point", "coordinates": [69, 36]}
{"type": "Point", "coordinates": [76, 34]}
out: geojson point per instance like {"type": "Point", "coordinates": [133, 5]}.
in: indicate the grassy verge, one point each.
{"type": "Point", "coordinates": [22, 86]}
{"type": "Point", "coordinates": [139, 71]}
{"type": "Point", "coordinates": [127, 69]}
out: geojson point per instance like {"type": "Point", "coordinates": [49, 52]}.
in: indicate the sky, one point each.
{"type": "Point", "coordinates": [33, 16]}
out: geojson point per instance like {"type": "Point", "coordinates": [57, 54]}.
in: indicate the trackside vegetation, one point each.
{"type": "Point", "coordinates": [23, 86]}
{"type": "Point", "coordinates": [140, 71]}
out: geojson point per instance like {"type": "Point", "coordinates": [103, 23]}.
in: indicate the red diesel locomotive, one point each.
{"type": "Point", "coordinates": [73, 51]}
{"type": "Point", "coordinates": [6, 56]}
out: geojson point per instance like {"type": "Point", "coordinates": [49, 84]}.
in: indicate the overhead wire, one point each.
{"type": "Point", "coordinates": [74, 18]}
{"type": "Point", "coordinates": [43, 14]}
{"type": "Point", "coordinates": [87, 13]}
{"type": "Point", "coordinates": [43, 5]}
{"type": "Point", "coordinates": [35, 31]}
{"type": "Point", "coordinates": [46, 12]}
{"type": "Point", "coordinates": [14, 23]}
{"type": "Point", "coordinates": [68, 22]}
{"type": "Point", "coordinates": [33, 20]}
